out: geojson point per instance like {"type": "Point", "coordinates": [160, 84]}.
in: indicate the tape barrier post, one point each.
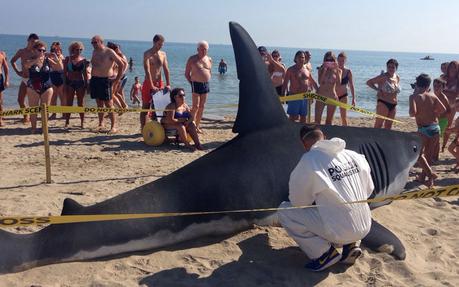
{"type": "Point", "coordinates": [44, 123]}
{"type": "Point", "coordinates": [13, 221]}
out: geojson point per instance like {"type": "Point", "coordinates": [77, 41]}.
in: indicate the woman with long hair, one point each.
{"type": "Point", "coordinates": [329, 78]}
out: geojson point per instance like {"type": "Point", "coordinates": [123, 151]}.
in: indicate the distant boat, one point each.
{"type": "Point", "coordinates": [427, 58]}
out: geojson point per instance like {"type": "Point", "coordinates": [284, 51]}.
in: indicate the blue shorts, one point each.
{"type": "Point", "coordinates": [297, 108]}
{"type": "Point", "coordinates": [429, 130]}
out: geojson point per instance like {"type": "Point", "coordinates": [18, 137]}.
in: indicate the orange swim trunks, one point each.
{"type": "Point", "coordinates": [146, 90]}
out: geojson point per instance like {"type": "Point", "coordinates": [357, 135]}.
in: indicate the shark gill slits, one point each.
{"type": "Point", "coordinates": [374, 175]}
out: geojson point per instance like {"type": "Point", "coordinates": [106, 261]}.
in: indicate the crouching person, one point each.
{"type": "Point", "coordinates": [328, 175]}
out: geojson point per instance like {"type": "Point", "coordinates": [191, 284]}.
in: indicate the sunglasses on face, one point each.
{"type": "Point", "coordinates": [41, 50]}
{"type": "Point", "coordinates": [93, 42]}
{"type": "Point", "coordinates": [181, 95]}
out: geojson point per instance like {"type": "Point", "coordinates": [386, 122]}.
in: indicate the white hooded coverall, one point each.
{"type": "Point", "coordinates": [328, 175]}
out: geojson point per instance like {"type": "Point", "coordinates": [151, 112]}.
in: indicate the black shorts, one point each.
{"type": "Point", "coordinates": [57, 78]}
{"type": "Point", "coordinates": [200, 88]}
{"type": "Point", "coordinates": [101, 88]}
{"type": "Point", "coordinates": [2, 83]}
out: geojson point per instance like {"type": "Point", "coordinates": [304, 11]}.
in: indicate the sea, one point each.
{"type": "Point", "coordinates": [224, 93]}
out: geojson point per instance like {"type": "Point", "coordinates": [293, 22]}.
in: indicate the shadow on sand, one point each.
{"type": "Point", "coordinates": [259, 265]}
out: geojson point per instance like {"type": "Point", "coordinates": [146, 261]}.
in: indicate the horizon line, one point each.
{"type": "Point", "coordinates": [229, 44]}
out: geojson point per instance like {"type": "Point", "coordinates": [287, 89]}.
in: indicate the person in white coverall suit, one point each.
{"type": "Point", "coordinates": [328, 175]}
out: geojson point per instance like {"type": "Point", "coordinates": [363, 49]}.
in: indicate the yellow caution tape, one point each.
{"type": "Point", "coordinates": [329, 101]}
{"type": "Point", "coordinates": [295, 97]}
{"type": "Point", "coordinates": [13, 221]}
{"type": "Point", "coordinates": [23, 111]}
{"type": "Point", "coordinates": [66, 109]}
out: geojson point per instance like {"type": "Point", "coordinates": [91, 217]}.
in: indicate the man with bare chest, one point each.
{"type": "Point", "coordinates": [426, 108]}
{"type": "Point", "coordinates": [298, 79]}
{"type": "Point", "coordinates": [24, 54]}
{"type": "Point", "coordinates": [198, 73]}
{"type": "Point", "coordinates": [154, 60]}
{"type": "Point", "coordinates": [101, 86]}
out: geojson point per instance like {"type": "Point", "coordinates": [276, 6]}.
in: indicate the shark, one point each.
{"type": "Point", "coordinates": [250, 171]}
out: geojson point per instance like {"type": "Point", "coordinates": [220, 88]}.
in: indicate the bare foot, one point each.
{"type": "Point", "coordinates": [190, 147]}
{"type": "Point", "coordinates": [420, 178]}
{"type": "Point", "coordinates": [430, 180]}
{"type": "Point", "coordinates": [26, 120]}
{"type": "Point", "coordinates": [199, 131]}
{"type": "Point", "coordinates": [1, 123]}
{"type": "Point", "coordinates": [112, 131]}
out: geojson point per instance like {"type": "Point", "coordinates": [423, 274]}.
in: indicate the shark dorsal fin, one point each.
{"type": "Point", "coordinates": [259, 105]}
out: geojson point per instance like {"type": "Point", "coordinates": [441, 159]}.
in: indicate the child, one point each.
{"type": "Point", "coordinates": [453, 147]}
{"type": "Point", "coordinates": [135, 90]}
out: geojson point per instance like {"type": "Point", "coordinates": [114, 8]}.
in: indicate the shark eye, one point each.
{"type": "Point", "coordinates": [415, 148]}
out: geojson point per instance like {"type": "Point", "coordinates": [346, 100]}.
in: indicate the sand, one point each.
{"type": "Point", "coordinates": [91, 167]}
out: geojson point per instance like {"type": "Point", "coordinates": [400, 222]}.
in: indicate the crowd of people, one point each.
{"type": "Point", "coordinates": [50, 77]}
{"type": "Point", "coordinates": [433, 109]}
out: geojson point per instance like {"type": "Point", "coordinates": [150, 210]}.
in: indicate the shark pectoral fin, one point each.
{"type": "Point", "coordinates": [71, 207]}
{"type": "Point", "coordinates": [381, 239]}
{"type": "Point", "coordinates": [255, 112]}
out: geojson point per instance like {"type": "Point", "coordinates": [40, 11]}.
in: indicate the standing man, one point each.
{"type": "Point", "coordinates": [154, 60]}
{"type": "Point", "coordinates": [25, 54]}
{"type": "Point", "coordinates": [298, 79]}
{"type": "Point", "coordinates": [4, 79]}
{"type": "Point", "coordinates": [101, 87]}
{"type": "Point", "coordinates": [198, 73]}
{"type": "Point", "coordinates": [329, 176]}
{"type": "Point", "coordinates": [426, 108]}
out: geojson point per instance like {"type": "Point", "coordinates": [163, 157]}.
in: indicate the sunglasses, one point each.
{"type": "Point", "coordinates": [93, 42]}
{"type": "Point", "coordinates": [180, 95]}
{"type": "Point", "coordinates": [41, 50]}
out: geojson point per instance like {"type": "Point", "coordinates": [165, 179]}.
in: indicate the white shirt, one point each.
{"type": "Point", "coordinates": [330, 175]}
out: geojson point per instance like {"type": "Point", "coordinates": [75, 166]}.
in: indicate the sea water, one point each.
{"type": "Point", "coordinates": [224, 89]}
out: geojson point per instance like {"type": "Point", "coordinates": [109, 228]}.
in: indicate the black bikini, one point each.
{"type": "Point", "coordinates": [344, 81]}
{"type": "Point", "coordinates": [79, 67]}
{"type": "Point", "coordinates": [2, 83]}
{"type": "Point", "coordinates": [390, 106]}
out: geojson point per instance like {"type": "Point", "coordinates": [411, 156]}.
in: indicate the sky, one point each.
{"type": "Point", "coordinates": [375, 25]}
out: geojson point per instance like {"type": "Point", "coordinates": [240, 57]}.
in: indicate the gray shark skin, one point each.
{"type": "Point", "coordinates": [248, 172]}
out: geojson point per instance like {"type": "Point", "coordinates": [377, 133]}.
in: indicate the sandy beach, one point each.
{"type": "Point", "coordinates": [91, 167]}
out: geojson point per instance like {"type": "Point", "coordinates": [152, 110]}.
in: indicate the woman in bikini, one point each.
{"type": "Point", "coordinates": [341, 89]}
{"type": "Point", "coordinates": [388, 86]}
{"type": "Point", "coordinates": [451, 92]}
{"type": "Point", "coordinates": [277, 71]}
{"type": "Point", "coordinates": [178, 115]}
{"type": "Point", "coordinates": [76, 79]}
{"type": "Point", "coordinates": [38, 69]}
{"type": "Point", "coordinates": [329, 79]}
{"type": "Point", "coordinates": [56, 60]}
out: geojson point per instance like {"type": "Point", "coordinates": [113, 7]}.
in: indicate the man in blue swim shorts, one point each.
{"type": "Point", "coordinates": [426, 108]}
{"type": "Point", "coordinates": [298, 79]}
